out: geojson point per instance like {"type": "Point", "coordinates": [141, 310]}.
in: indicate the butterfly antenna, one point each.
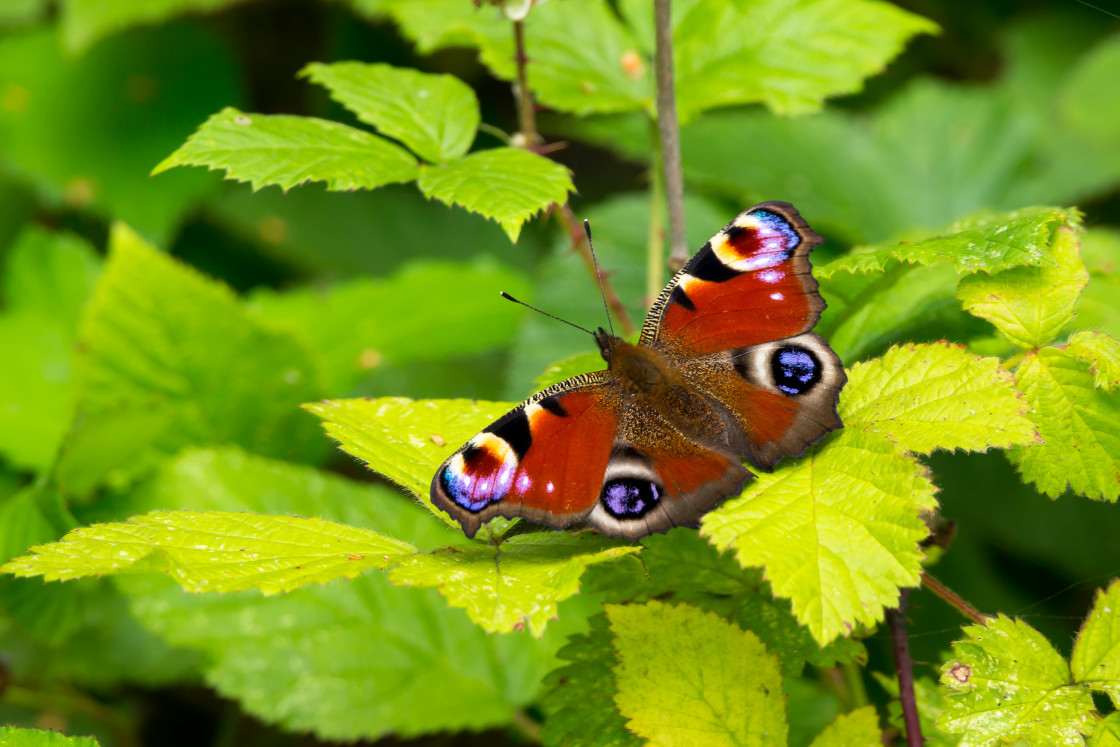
{"type": "Point", "coordinates": [598, 274]}
{"type": "Point", "coordinates": [508, 297]}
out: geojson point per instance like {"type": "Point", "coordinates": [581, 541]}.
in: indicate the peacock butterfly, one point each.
{"type": "Point", "coordinates": [726, 368]}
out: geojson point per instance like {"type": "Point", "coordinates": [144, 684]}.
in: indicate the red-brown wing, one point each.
{"type": "Point", "coordinates": [750, 284]}
{"type": "Point", "coordinates": [543, 460]}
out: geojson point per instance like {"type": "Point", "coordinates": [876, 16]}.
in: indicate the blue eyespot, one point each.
{"type": "Point", "coordinates": [796, 370]}
{"type": "Point", "coordinates": [629, 498]}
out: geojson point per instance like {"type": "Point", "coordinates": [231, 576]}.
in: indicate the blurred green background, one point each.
{"type": "Point", "coordinates": [1012, 104]}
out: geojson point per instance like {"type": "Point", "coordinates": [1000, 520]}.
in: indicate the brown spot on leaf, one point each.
{"type": "Point", "coordinates": [961, 673]}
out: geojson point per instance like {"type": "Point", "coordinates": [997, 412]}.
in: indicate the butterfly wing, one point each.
{"type": "Point", "coordinates": [543, 460]}
{"type": "Point", "coordinates": [736, 320]}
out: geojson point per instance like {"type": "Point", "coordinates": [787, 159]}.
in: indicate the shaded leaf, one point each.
{"type": "Point", "coordinates": [507, 185]}
{"type": "Point", "coordinates": [1096, 655]}
{"type": "Point", "coordinates": [267, 149]}
{"type": "Point", "coordinates": [86, 21]}
{"type": "Point", "coordinates": [1030, 305]}
{"type": "Point", "coordinates": [1079, 425]}
{"type": "Point", "coordinates": [686, 675]}
{"type": "Point", "coordinates": [215, 551]}
{"type": "Point", "coordinates": [1102, 353]}
{"type": "Point", "coordinates": [927, 397]}
{"type": "Point", "coordinates": [434, 115]}
{"type": "Point", "coordinates": [514, 585]}
{"type": "Point", "coordinates": [1009, 683]}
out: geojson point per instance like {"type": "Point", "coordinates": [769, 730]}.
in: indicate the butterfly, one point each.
{"type": "Point", "coordinates": [726, 368]}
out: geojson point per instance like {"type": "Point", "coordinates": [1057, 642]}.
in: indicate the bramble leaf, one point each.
{"type": "Point", "coordinates": [507, 185]}
{"type": "Point", "coordinates": [1096, 655]}
{"type": "Point", "coordinates": [267, 149]}
{"type": "Point", "coordinates": [683, 672]}
{"type": "Point", "coordinates": [733, 53]}
{"type": "Point", "coordinates": [1102, 353]}
{"type": "Point", "coordinates": [1107, 733]}
{"type": "Point", "coordinates": [1009, 683]}
{"type": "Point", "coordinates": [1097, 308]}
{"type": "Point", "coordinates": [404, 439]}
{"type": "Point", "coordinates": [172, 358]}
{"type": "Point", "coordinates": [1079, 425]}
{"type": "Point", "coordinates": [1030, 305]}
{"type": "Point", "coordinates": [514, 585]}
{"type": "Point", "coordinates": [939, 396]}
{"type": "Point", "coordinates": [13, 736]}
{"type": "Point", "coordinates": [580, 698]}
{"type": "Point", "coordinates": [858, 728]}
{"type": "Point", "coordinates": [837, 531]}
{"type": "Point", "coordinates": [215, 551]}
{"type": "Point", "coordinates": [434, 115]}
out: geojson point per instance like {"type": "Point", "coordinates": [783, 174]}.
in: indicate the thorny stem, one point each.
{"type": "Point", "coordinates": [527, 121]}
{"type": "Point", "coordinates": [669, 133]}
{"type": "Point", "coordinates": [952, 599]}
{"type": "Point", "coordinates": [896, 620]}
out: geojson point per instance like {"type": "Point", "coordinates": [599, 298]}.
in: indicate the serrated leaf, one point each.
{"type": "Point", "coordinates": [858, 728]}
{"type": "Point", "coordinates": [580, 699]}
{"type": "Point", "coordinates": [356, 327]}
{"type": "Point", "coordinates": [1008, 683]}
{"type": "Point", "coordinates": [940, 396]}
{"type": "Point", "coordinates": [507, 185]}
{"type": "Point", "coordinates": [1102, 353]}
{"type": "Point", "coordinates": [267, 149]}
{"type": "Point", "coordinates": [355, 660]}
{"type": "Point", "coordinates": [734, 53]}
{"type": "Point", "coordinates": [690, 677]}
{"type": "Point", "coordinates": [13, 736]}
{"type": "Point", "coordinates": [1079, 425]}
{"type": "Point", "coordinates": [1030, 305]}
{"type": "Point", "coordinates": [837, 531]}
{"type": "Point", "coordinates": [1107, 733]}
{"type": "Point", "coordinates": [1096, 655]}
{"type": "Point", "coordinates": [987, 242]}
{"type": "Point", "coordinates": [514, 585]}
{"type": "Point", "coordinates": [172, 358]}
{"type": "Point", "coordinates": [215, 551]}
{"type": "Point", "coordinates": [404, 439]}
{"type": "Point", "coordinates": [434, 115]}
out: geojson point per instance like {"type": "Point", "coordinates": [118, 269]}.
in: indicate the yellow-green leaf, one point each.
{"type": "Point", "coordinates": [858, 728]}
{"type": "Point", "coordinates": [1096, 656]}
{"type": "Point", "coordinates": [1102, 353]}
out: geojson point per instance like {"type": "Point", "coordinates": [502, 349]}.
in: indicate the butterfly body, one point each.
{"type": "Point", "coordinates": [725, 369]}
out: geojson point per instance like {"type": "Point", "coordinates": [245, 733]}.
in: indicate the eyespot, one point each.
{"type": "Point", "coordinates": [629, 498]}
{"type": "Point", "coordinates": [796, 370]}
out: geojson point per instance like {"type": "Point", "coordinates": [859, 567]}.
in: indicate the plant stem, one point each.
{"type": "Point", "coordinates": [655, 243]}
{"type": "Point", "coordinates": [526, 109]}
{"type": "Point", "coordinates": [953, 599]}
{"type": "Point", "coordinates": [669, 134]}
{"type": "Point", "coordinates": [896, 620]}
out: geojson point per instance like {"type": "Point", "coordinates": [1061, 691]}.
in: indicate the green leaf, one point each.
{"type": "Point", "coordinates": [1030, 305]}
{"type": "Point", "coordinates": [1008, 683]}
{"type": "Point", "coordinates": [1079, 425]}
{"type": "Point", "coordinates": [355, 660]}
{"type": "Point", "coordinates": [690, 677]}
{"type": "Point", "coordinates": [1107, 733]}
{"type": "Point", "coordinates": [1080, 106]}
{"type": "Point", "coordinates": [987, 242]}
{"type": "Point", "coordinates": [215, 551]}
{"type": "Point", "coordinates": [404, 439]}
{"type": "Point", "coordinates": [171, 358]}
{"type": "Point", "coordinates": [86, 21]}
{"type": "Point", "coordinates": [930, 699]}
{"type": "Point", "coordinates": [357, 326]}
{"type": "Point", "coordinates": [858, 728]}
{"type": "Point", "coordinates": [81, 152]}
{"type": "Point", "coordinates": [927, 397]}
{"type": "Point", "coordinates": [1102, 353]}
{"type": "Point", "coordinates": [45, 284]}
{"type": "Point", "coordinates": [580, 700]}
{"type": "Point", "coordinates": [267, 149]}
{"type": "Point", "coordinates": [1096, 655]}
{"type": "Point", "coordinates": [1097, 308]}
{"type": "Point", "coordinates": [507, 185]}
{"type": "Point", "coordinates": [514, 585]}
{"type": "Point", "coordinates": [736, 53]}
{"type": "Point", "coordinates": [434, 115]}
{"type": "Point", "coordinates": [837, 531]}
{"type": "Point", "coordinates": [13, 736]}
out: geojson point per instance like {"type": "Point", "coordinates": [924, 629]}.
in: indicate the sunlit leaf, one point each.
{"type": "Point", "coordinates": [1096, 655]}
{"type": "Point", "coordinates": [858, 728]}
{"type": "Point", "coordinates": [13, 736]}
{"type": "Point", "coordinates": [1102, 353]}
